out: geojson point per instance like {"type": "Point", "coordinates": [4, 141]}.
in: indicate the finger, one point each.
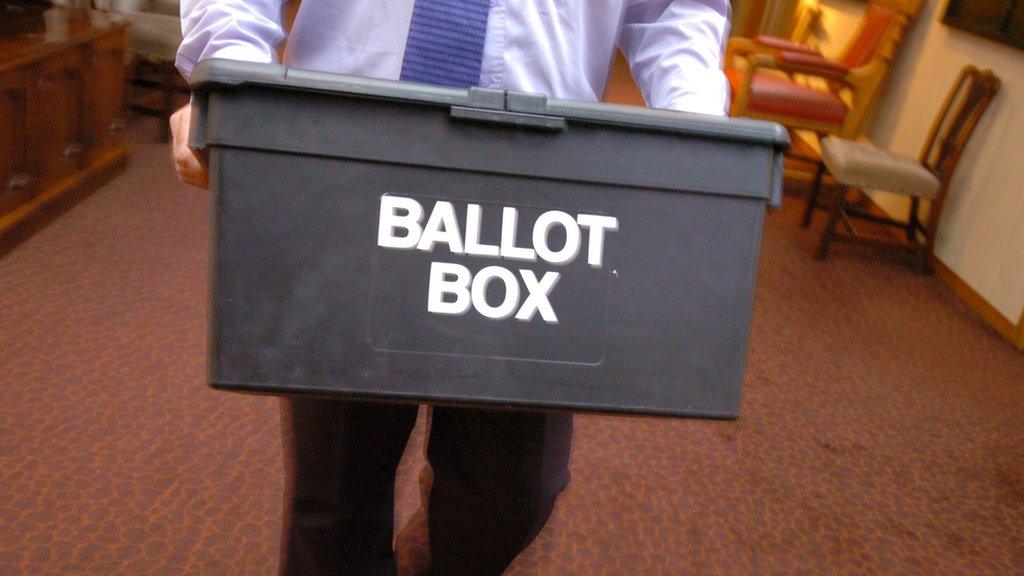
{"type": "Point", "coordinates": [190, 166]}
{"type": "Point", "coordinates": [175, 122]}
{"type": "Point", "coordinates": [190, 171]}
{"type": "Point", "coordinates": [179, 128]}
{"type": "Point", "coordinates": [202, 172]}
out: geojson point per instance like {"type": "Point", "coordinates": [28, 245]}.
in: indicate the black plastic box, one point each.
{"type": "Point", "coordinates": [630, 235]}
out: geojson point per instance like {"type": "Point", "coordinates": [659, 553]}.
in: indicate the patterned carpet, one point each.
{"type": "Point", "coordinates": [882, 429]}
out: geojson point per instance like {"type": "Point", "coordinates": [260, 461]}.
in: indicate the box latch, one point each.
{"type": "Point", "coordinates": [523, 109]}
{"type": "Point", "coordinates": [486, 98]}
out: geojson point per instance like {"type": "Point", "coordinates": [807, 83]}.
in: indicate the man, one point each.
{"type": "Point", "coordinates": [496, 473]}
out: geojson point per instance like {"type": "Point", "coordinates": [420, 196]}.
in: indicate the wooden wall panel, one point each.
{"type": "Point", "coordinates": [15, 176]}
{"type": "Point", "coordinates": [105, 95]}
{"type": "Point", "coordinates": [61, 113]}
{"type": "Point", "coordinates": [57, 112]}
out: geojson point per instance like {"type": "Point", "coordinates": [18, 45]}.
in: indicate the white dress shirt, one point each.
{"type": "Point", "coordinates": [562, 48]}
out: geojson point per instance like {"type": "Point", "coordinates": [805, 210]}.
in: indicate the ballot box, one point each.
{"type": "Point", "coordinates": [387, 241]}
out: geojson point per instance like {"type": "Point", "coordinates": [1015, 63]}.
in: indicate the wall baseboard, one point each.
{"type": "Point", "coordinates": [1005, 328]}
{"type": "Point", "coordinates": [1014, 333]}
{"type": "Point", "coordinates": [1020, 332]}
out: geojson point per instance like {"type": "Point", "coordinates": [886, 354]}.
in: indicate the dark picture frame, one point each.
{"type": "Point", "coordinates": [999, 20]}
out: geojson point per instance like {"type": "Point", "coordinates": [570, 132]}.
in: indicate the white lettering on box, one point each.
{"type": "Point", "coordinates": [473, 245]}
{"type": "Point", "coordinates": [441, 227]}
{"type": "Point", "coordinates": [597, 225]}
{"type": "Point", "coordinates": [537, 300]}
{"type": "Point", "coordinates": [453, 289]}
{"type": "Point", "coordinates": [482, 280]}
{"type": "Point", "coordinates": [448, 278]}
{"type": "Point", "coordinates": [509, 222]}
{"type": "Point", "coordinates": [541, 232]}
{"type": "Point", "coordinates": [390, 220]}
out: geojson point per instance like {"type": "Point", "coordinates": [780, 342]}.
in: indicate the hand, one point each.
{"type": "Point", "coordinates": [188, 163]}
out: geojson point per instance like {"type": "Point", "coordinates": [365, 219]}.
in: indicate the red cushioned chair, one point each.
{"type": "Point", "coordinates": [805, 20]}
{"type": "Point", "coordinates": [801, 89]}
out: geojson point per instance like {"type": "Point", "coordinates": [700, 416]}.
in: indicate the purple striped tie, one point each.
{"type": "Point", "coordinates": [446, 42]}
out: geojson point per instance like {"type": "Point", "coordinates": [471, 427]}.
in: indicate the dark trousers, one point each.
{"type": "Point", "coordinates": [496, 477]}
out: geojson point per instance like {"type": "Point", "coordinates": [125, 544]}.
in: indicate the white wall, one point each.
{"type": "Point", "coordinates": [838, 23]}
{"type": "Point", "coordinates": [981, 236]}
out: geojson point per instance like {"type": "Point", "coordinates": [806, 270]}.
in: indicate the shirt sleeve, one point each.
{"type": "Point", "coordinates": [247, 30]}
{"type": "Point", "coordinates": [674, 49]}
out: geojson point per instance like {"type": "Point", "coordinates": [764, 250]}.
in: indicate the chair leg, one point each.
{"type": "Point", "coordinates": [926, 254]}
{"type": "Point", "coordinates": [924, 262]}
{"type": "Point", "coordinates": [812, 202]}
{"type": "Point", "coordinates": [838, 206]}
{"type": "Point", "coordinates": [913, 224]}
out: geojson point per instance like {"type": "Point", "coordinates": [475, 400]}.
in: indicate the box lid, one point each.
{"type": "Point", "coordinates": [213, 73]}
{"type": "Point", "coordinates": [319, 114]}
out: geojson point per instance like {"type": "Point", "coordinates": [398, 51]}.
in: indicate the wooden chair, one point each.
{"type": "Point", "coordinates": [805, 20]}
{"type": "Point", "coordinates": [859, 165]}
{"type": "Point", "coordinates": [765, 88]}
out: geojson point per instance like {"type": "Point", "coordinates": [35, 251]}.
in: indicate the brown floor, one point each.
{"type": "Point", "coordinates": [882, 429]}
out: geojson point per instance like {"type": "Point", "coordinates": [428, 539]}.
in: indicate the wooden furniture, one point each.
{"type": "Point", "coordinates": [764, 86]}
{"type": "Point", "coordinates": [805, 19]}
{"type": "Point", "coordinates": [1000, 20]}
{"type": "Point", "coordinates": [860, 165]}
{"type": "Point", "coordinates": [61, 113]}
